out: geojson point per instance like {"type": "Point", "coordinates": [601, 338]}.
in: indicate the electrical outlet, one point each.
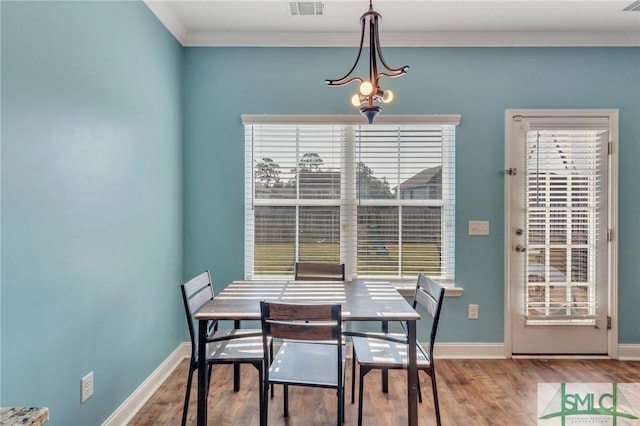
{"type": "Point", "coordinates": [478, 227]}
{"type": "Point", "coordinates": [86, 387]}
{"type": "Point", "coordinates": [473, 311]}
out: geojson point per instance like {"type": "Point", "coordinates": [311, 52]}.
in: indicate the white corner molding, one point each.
{"type": "Point", "coordinates": [130, 407]}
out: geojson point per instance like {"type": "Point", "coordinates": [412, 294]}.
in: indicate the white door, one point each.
{"type": "Point", "coordinates": [558, 230]}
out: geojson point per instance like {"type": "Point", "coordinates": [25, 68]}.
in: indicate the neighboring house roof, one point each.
{"type": "Point", "coordinates": [422, 178]}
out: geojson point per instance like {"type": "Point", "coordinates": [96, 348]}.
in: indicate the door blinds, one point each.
{"type": "Point", "coordinates": [566, 180]}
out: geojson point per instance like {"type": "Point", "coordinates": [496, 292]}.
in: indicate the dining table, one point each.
{"type": "Point", "coordinates": [361, 300]}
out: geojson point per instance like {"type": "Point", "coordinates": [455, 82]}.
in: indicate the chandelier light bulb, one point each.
{"type": "Point", "coordinates": [387, 96]}
{"type": "Point", "coordinates": [355, 100]}
{"type": "Point", "coordinates": [366, 88]}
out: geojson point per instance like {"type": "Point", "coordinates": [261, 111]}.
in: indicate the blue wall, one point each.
{"type": "Point", "coordinates": [479, 83]}
{"type": "Point", "coordinates": [91, 203]}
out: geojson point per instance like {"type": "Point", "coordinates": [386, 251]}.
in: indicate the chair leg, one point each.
{"type": "Point", "coordinates": [344, 396]}
{"type": "Point", "coordinates": [435, 395]}
{"type": "Point", "coordinates": [236, 377]}
{"type": "Point", "coordinates": [264, 411]}
{"type": "Point", "coordinates": [270, 357]}
{"type": "Point", "coordinates": [353, 377]}
{"type": "Point", "coordinates": [384, 375]}
{"type": "Point", "coordinates": [363, 372]}
{"type": "Point", "coordinates": [209, 374]}
{"type": "Point", "coordinates": [286, 400]}
{"type": "Point", "coordinates": [339, 407]}
{"type": "Point", "coordinates": [261, 394]}
{"type": "Point", "coordinates": [419, 389]}
{"type": "Point", "coordinates": [187, 393]}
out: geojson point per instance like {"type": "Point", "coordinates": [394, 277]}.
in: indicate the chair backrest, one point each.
{"type": "Point", "coordinates": [319, 271]}
{"type": "Point", "coordinates": [195, 293]}
{"type": "Point", "coordinates": [301, 321]}
{"type": "Point", "coordinates": [430, 295]}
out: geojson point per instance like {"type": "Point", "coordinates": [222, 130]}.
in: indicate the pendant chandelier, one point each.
{"type": "Point", "coordinates": [370, 94]}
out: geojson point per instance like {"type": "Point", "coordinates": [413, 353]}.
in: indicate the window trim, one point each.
{"type": "Point", "coordinates": [403, 285]}
{"type": "Point", "coordinates": [445, 119]}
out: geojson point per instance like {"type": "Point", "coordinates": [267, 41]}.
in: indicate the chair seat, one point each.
{"type": "Point", "coordinates": [238, 349]}
{"type": "Point", "coordinates": [306, 363]}
{"type": "Point", "coordinates": [378, 353]}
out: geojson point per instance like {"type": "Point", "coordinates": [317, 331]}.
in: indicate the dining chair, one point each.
{"type": "Point", "coordinates": [311, 351]}
{"type": "Point", "coordinates": [390, 350]}
{"type": "Point", "coordinates": [310, 271]}
{"type": "Point", "coordinates": [224, 346]}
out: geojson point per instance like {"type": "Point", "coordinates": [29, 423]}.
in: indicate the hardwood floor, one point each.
{"type": "Point", "coordinates": [471, 392]}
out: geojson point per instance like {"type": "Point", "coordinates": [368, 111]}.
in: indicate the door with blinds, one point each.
{"type": "Point", "coordinates": [559, 228]}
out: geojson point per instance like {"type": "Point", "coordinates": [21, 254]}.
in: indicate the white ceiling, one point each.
{"type": "Point", "coordinates": [404, 22]}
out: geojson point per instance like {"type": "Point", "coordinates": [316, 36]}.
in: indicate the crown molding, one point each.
{"type": "Point", "coordinates": [414, 39]}
{"type": "Point", "coordinates": [166, 15]}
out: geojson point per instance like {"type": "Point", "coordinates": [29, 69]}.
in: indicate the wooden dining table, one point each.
{"type": "Point", "coordinates": [361, 300]}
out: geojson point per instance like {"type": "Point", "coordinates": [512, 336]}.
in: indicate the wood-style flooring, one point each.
{"type": "Point", "coordinates": [471, 392]}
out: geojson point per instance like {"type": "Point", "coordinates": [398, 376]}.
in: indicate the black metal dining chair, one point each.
{"type": "Point", "coordinates": [311, 351]}
{"type": "Point", "coordinates": [376, 352]}
{"type": "Point", "coordinates": [224, 346]}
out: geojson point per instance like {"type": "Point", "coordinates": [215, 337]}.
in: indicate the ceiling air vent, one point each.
{"type": "Point", "coordinates": [633, 7]}
{"type": "Point", "coordinates": [306, 8]}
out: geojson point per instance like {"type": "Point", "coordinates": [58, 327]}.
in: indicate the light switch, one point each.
{"type": "Point", "coordinates": [478, 227]}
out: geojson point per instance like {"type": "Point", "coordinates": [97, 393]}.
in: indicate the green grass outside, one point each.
{"type": "Point", "coordinates": [417, 257]}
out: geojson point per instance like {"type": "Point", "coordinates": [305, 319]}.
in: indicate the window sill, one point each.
{"type": "Point", "coordinates": [408, 288]}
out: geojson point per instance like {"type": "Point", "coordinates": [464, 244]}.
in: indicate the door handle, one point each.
{"type": "Point", "coordinates": [520, 248]}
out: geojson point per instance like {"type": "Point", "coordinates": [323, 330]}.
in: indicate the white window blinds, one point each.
{"type": "Point", "coordinates": [379, 198]}
{"type": "Point", "coordinates": [293, 193]}
{"type": "Point", "coordinates": [404, 193]}
{"type": "Point", "coordinates": [566, 220]}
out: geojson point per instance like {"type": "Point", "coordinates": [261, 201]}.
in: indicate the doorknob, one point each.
{"type": "Point", "coordinates": [520, 248]}
{"type": "Point", "coordinates": [519, 231]}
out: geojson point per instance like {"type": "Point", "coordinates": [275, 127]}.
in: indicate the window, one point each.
{"type": "Point", "coordinates": [379, 198]}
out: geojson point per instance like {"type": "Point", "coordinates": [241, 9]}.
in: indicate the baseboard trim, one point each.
{"type": "Point", "coordinates": [469, 351]}
{"type": "Point", "coordinates": [629, 352]}
{"type": "Point", "coordinates": [130, 407]}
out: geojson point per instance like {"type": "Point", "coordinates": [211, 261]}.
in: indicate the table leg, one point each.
{"type": "Point", "coordinates": [236, 367]}
{"type": "Point", "coordinates": [412, 376]}
{"type": "Point", "coordinates": [385, 372]}
{"type": "Point", "coordinates": [202, 373]}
